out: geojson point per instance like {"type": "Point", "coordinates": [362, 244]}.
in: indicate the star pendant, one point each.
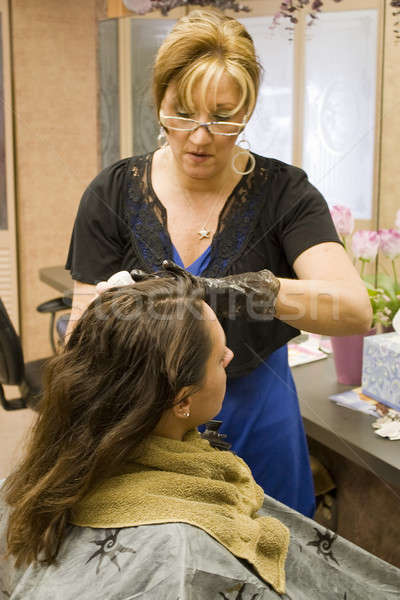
{"type": "Point", "coordinates": [204, 233]}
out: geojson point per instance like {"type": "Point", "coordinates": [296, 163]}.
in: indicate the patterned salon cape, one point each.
{"type": "Point", "coordinates": [175, 561]}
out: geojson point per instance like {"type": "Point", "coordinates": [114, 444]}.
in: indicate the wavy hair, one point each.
{"type": "Point", "coordinates": [132, 351]}
{"type": "Point", "coordinates": [201, 47]}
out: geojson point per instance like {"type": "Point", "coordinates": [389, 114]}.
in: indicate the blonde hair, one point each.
{"type": "Point", "coordinates": [202, 47]}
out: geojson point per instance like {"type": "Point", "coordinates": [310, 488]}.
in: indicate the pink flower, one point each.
{"type": "Point", "coordinates": [390, 242]}
{"type": "Point", "coordinates": [138, 6]}
{"type": "Point", "coordinates": [365, 244]}
{"type": "Point", "coordinates": [397, 222]}
{"type": "Point", "coordinates": [343, 219]}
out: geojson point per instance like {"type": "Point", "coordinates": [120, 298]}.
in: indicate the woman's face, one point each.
{"type": "Point", "coordinates": [201, 154]}
{"type": "Point", "coordinates": [207, 402]}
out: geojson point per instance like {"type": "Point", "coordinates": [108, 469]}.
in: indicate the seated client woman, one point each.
{"type": "Point", "coordinates": [119, 497]}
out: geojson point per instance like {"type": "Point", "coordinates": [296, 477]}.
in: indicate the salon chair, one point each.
{"type": "Point", "coordinates": [57, 327]}
{"type": "Point", "coordinates": [14, 370]}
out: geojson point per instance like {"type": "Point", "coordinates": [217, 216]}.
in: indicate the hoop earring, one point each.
{"type": "Point", "coordinates": [162, 138]}
{"type": "Point", "coordinates": [247, 152]}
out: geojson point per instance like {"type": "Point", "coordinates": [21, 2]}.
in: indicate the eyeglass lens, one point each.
{"type": "Point", "coordinates": [189, 124]}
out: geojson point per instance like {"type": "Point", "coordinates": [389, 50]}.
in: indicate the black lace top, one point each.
{"type": "Point", "coordinates": [271, 217]}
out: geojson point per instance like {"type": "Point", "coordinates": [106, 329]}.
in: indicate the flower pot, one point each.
{"type": "Point", "coordinates": [347, 353]}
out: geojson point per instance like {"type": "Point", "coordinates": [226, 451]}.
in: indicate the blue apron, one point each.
{"type": "Point", "coordinates": [262, 420]}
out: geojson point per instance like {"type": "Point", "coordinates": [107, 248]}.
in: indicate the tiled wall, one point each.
{"type": "Point", "coordinates": [55, 103]}
{"type": "Point", "coordinates": [390, 160]}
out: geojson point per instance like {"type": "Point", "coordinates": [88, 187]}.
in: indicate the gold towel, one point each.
{"type": "Point", "coordinates": [190, 482]}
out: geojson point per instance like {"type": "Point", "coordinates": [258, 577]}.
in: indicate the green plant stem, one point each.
{"type": "Point", "coordinates": [396, 283]}
{"type": "Point", "coordinates": [362, 267]}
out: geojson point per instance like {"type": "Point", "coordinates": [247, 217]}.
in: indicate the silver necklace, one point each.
{"type": "Point", "coordinates": [204, 232]}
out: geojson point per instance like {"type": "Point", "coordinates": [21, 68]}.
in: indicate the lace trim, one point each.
{"type": "Point", "coordinates": [147, 218]}
{"type": "Point", "coordinates": [149, 235]}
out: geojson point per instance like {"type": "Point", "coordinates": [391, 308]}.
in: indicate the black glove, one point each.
{"type": "Point", "coordinates": [248, 295]}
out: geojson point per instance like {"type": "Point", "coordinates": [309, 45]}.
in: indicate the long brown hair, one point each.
{"type": "Point", "coordinates": [128, 357]}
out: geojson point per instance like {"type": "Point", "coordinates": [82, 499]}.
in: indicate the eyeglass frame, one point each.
{"type": "Point", "coordinates": [205, 124]}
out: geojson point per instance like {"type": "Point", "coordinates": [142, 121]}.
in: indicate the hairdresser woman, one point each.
{"type": "Point", "coordinates": [217, 210]}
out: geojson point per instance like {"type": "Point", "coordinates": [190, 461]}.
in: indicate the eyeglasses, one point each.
{"type": "Point", "coordinates": [216, 127]}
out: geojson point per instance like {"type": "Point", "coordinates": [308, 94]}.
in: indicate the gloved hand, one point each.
{"type": "Point", "coordinates": [250, 295]}
{"type": "Point", "coordinates": [116, 280]}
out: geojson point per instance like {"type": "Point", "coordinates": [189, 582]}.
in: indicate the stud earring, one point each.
{"type": "Point", "coordinates": [186, 414]}
{"type": "Point", "coordinates": [246, 151]}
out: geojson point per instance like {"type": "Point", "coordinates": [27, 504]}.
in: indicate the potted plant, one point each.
{"type": "Point", "coordinates": [383, 288]}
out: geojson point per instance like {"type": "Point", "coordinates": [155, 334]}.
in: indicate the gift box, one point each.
{"type": "Point", "coordinates": [381, 368]}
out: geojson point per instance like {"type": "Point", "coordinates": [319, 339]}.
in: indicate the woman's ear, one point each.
{"type": "Point", "coordinates": [182, 405]}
